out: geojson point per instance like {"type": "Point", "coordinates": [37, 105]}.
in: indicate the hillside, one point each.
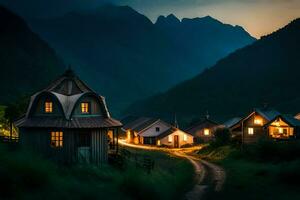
{"type": "Point", "coordinates": [27, 62]}
{"type": "Point", "coordinates": [126, 57]}
{"type": "Point", "coordinates": [265, 72]}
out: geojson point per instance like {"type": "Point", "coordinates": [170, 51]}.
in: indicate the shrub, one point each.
{"type": "Point", "coordinates": [222, 137]}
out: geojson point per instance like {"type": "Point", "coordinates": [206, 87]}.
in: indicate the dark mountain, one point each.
{"type": "Point", "coordinates": [27, 62]}
{"type": "Point", "coordinates": [126, 57]}
{"type": "Point", "coordinates": [265, 72]}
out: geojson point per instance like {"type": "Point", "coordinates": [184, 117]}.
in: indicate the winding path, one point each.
{"type": "Point", "coordinates": [209, 177]}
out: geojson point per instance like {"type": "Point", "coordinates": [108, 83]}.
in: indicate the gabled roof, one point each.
{"type": "Point", "coordinates": [289, 119]}
{"type": "Point", "coordinates": [170, 131]}
{"type": "Point", "coordinates": [140, 124]}
{"type": "Point", "coordinates": [68, 84]}
{"type": "Point", "coordinates": [267, 113]}
{"type": "Point", "coordinates": [67, 90]}
{"type": "Point", "coordinates": [232, 122]}
{"type": "Point", "coordinates": [201, 125]}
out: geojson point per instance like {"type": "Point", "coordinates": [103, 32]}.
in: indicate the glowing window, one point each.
{"type": "Point", "coordinates": [258, 121]}
{"type": "Point", "coordinates": [48, 107]}
{"type": "Point", "coordinates": [184, 137]}
{"type": "Point", "coordinates": [56, 139]}
{"type": "Point", "coordinates": [85, 107]}
{"type": "Point", "coordinates": [280, 130]}
{"type": "Point", "coordinates": [158, 142]}
{"type": "Point", "coordinates": [206, 131]}
{"type": "Point", "coordinates": [170, 138]}
{"type": "Point", "coordinates": [250, 131]}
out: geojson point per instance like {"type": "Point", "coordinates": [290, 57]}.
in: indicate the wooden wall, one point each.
{"type": "Point", "coordinates": [38, 140]}
{"type": "Point", "coordinates": [259, 130]}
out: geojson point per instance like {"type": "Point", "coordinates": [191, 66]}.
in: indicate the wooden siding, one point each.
{"type": "Point", "coordinates": [99, 146]}
{"type": "Point", "coordinates": [259, 130]}
{"type": "Point", "coordinates": [38, 140]}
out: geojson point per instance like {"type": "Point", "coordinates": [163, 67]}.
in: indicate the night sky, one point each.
{"type": "Point", "coordinates": [259, 17]}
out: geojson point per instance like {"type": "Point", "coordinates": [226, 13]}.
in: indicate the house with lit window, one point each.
{"type": "Point", "coordinates": [283, 127]}
{"type": "Point", "coordinates": [149, 131]}
{"type": "Point", "coordinates": [70, 123]}
{"type": "Point", "coordinates": [203, 130]}
{"type": "Point", "coordinates": [253, 126]}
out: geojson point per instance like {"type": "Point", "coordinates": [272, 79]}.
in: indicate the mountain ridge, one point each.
{"type": "Point", "coordinates": [117, 44]}
{"type": "Point", "coordinates": [265, 71]}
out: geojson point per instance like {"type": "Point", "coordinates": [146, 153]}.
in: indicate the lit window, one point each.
{"type": "Point", "coordinates": [85, 107]}
{"type": "Point", "coordinates": [170, 138]}
{"type": "Point", "coordinates": [157, 129]}
{"type": "Point", "coordinates": [280, 130]}
{"type": "Point", "coordinates": [250, 131]}
{"type": "Point", "coordinates": [258, 121]}
{"type": "Point", "coordinates": [128, 135]}
{"type": "Point", "coordinates": [48, 107]}
{"type": "Point", "coordinates": [184, 137]}
{"type": "Point", "coordinates": [56, 139]}
{"type": "Point", "coordinates": [206, 131]}
{"type": "Point", "coordinates": [158, 142]}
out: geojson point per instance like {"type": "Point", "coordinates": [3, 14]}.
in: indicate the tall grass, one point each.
{"type": "Point", "coordinates": [24, 175]}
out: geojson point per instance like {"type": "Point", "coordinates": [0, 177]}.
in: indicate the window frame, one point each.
{"type": "Point", "coordinates": [48, 107]}
{"type": "Point", "coordinates": [157, 129]}
{"type": "Point", "coordinates": [250, 131]}
{"type": "Point", "coordinates": [206, 132]}
{"type": "Point", "coordinates": [88, 108]}
{"type": "Point", "coordinates": [57, 139]}
{"type": "Point", "coordinates": [170, 139]}
{"type": "Point", "coordinates": [185, 137]}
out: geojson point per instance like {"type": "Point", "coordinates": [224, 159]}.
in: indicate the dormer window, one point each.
{"type": "Point", "coordinates": [48, 107]}
{"type": "Point", "coordinates": [85, 108]}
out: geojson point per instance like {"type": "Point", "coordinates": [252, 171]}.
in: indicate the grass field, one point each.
{"type": "Point", "coordinates": [26, 176]}
{"type": "Point", "coordinates": [249, 178]}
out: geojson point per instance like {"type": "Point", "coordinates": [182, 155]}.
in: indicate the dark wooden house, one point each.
{"type": "Point", "coordinates": [68, 122]}
{"type": "Point", "coordinates": [203, 131]}
{"type": "Point", "coordinates": [253, 126]}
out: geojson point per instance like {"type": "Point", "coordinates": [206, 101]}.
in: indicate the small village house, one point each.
{"type": "Point", "coordinates": [149, 131]}
{"type": "Point", "coordinates": [203, 131]}
{"type": "Point", "coordinates": [283, 127]}
{"type": "Point", "coordinates": [253, 126]}
{"type": "Point", "coordinates": [68, 122]}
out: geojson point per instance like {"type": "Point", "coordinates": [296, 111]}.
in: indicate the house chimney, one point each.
{"type": "Point", "coordinates": [175, 121]}
{"type": "Point", "coordinates": [207, 115]}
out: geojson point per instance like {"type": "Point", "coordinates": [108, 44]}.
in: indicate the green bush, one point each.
{"type": "Point", "coordinates": [222, 137]}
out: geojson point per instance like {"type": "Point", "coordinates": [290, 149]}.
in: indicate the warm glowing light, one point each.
{"type": "Point", "coordinates": [280, 130]}
{"type": "Point", "coordinates": [48, 107]}
{"type": "Point", "coordinates": [128, 135]}
{"type": "Point", "coordinates": [258, 121]}
{"type": "Point", "coordinates": [206, 131]}
{"type": "Point", "coordinates": [85, 107]}
{"type": "Point", "coordinates": [158, 142]}
{"type": "Point", "coordinates": [57, 139]}
{"type": "Point", "coordinates": [184, 137]}
{"type": "Point", "coordinates": [170, 138]}
{"type": "Point", "coordinates": [250, 131]}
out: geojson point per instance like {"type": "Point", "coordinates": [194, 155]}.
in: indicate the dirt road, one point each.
{"type": "Point", "coordinates": [209, 177]}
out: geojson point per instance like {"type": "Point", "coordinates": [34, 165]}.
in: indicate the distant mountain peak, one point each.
{"type": "Point", "coordinates": [171, 19]}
